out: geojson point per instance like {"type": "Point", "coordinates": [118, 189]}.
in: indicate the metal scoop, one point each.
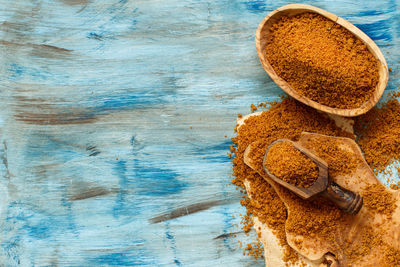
{"type": "Point", "coordinates": [347, 200]}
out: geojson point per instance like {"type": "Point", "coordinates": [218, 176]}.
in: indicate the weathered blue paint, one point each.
{"type": "Point", "coordinates": [98, 162]}
{"type": "Point", "coordinates": [257, 6]}
{"type": "Point", "coordinates": [379, 30]}
{"type": "Point", "coordinates": [172, 244]}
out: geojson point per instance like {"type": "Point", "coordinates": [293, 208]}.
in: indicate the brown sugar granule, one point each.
{"type": "Point", "coordinates": [392, 257]}
{"type": "Point", "coordinates": [322, 60]}
{"type": "Point", "coordinates": [378, 134]}
{"type": "Point", "coordinates": [380, 200]}
{"type": "Point", "coordinates": [254, 249]}
{"type": "Point", "coordinates": [394, 187]}
{"type": "Point", "coordinates": [262, 105]}
{"type": "Point", "coordinates": [289, 164]}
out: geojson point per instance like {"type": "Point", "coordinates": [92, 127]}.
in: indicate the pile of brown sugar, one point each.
{"type": "Point", "coordinates": [289, 164]}
{"type": "Point", "coordinates": [378, 134]}
{"type": "Point", "coordinates": [322, 61]}
{"type": "Point", "coordinates": [320, 220]}
{"type": "Point", "coordinates": [288, 119]}
{"type": "Point", "coordinates": [339, 160]}
{"type": "Point", "coordinates": [376, 198]}
{"type": "Point", "coordinates": [309, 218]}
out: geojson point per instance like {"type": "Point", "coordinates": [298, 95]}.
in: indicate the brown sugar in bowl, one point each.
{"type": "Point", "coordinates": [262, 38]}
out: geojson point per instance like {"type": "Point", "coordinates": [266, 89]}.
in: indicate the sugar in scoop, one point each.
{"type": "Point", "coordinates": [289, 164]}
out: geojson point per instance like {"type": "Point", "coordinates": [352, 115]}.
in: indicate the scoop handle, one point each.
{"type": "Point", "coordinates": [347, 200]}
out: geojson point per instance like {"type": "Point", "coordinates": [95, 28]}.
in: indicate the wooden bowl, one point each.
{"type": "Point", "coordinates": [262, 37]}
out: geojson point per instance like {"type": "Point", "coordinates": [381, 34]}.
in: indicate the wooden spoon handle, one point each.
{"type": "Point", "coordinates": [348, 201]}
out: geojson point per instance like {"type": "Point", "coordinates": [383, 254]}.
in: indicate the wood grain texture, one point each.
{"type": "Point", "coordinates": [97, 102]}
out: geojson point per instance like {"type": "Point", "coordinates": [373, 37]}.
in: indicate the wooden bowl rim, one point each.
{"type": "Point", "coordinates": [372, 47]}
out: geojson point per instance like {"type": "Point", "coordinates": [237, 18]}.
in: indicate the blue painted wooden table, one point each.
{"type": "Point", "coordinates": [116, 118]}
